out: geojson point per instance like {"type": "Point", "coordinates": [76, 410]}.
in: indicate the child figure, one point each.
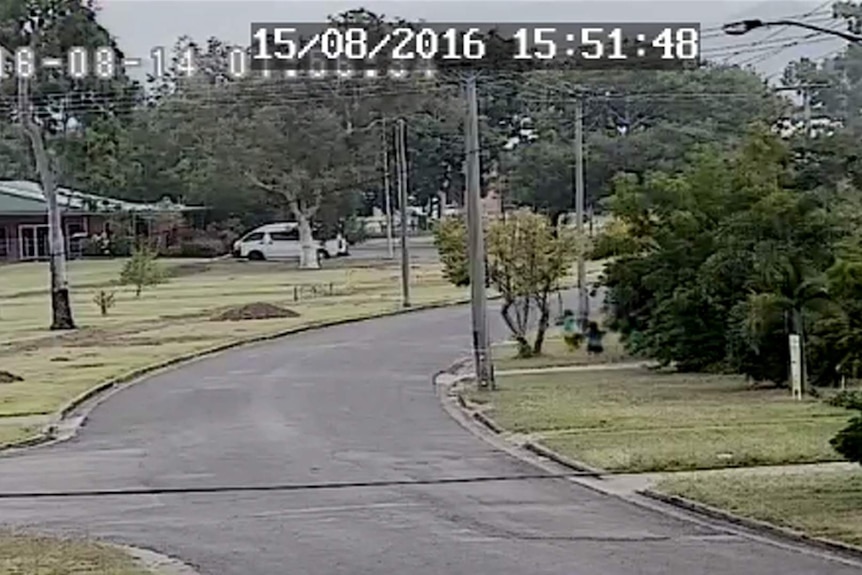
{"type": "Point", "coordinates": [594, 339]}
{"type": "Point", "coordinates": [571, 335]}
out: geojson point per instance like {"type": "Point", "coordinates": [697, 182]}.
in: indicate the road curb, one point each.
{"type": "Point", "coordinates": [71, 417]}
{"type": "Point", "coordinates": [755, 525]}
{"type": "Point", "coordinates": [480, 416]}
{"type": "Point", "coordinates": [155, 562]}
{"type": "Point", "coordinates": [572, 464]}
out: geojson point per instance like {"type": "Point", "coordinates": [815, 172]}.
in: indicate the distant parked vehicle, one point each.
{"type": "Point", "coordinates": [280, 241]}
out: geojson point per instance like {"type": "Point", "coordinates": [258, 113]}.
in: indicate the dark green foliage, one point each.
{"type": "Point", "coordinates": [721, 261]}
{"type": "Point", "coordinates": [848, 441]}
{"type": "Point", "coordinates": [450, 238]}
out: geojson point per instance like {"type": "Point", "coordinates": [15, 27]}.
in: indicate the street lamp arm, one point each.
{"type": "Point", "coordinates": [849, 36]}
{"type": "Point", "coordinates": [745, 26]}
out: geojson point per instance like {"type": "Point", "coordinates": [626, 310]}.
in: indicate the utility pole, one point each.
{"type": "Point", "coordinates": [401, 149]}
{"type": "Point", "coordinates": [476, 242]}
{"type": "Point", "coordinates": [387, 193]}
{"type": "Point", "coordinates": [583, 296]}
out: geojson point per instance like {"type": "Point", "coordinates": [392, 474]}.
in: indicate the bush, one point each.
{"type": "Point", "coordinates": [450, 238]}
{"type": "Point", "coordinates": [196, 248]}
{"type": "Point", "coordinates": [848, 441]}
{"type": "Point", "coordinates": [105, 301]}
{"type": "Point", "coordinates": [142, 270]}
{"type": "Point", "coordinates": [355, 232]}
{"type": "Point", "coordinates": [117, 247]}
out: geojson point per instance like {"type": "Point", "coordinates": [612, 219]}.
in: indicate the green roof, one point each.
{"type": "Point", "coordinates": [26, 198]}
{"type": "Point", "coordinates": [17, 205]}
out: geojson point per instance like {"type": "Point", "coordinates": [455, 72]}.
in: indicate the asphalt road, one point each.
{"type": "Point", "coordinates": [347, 404]}
{"type": "Point", "coordinates": [421, 249]}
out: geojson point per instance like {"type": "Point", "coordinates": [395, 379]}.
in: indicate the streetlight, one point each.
{"type": "Point", "coordinates": [746, 26]}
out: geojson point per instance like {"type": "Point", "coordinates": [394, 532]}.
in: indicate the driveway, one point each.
{"type": "Point", "coordinates": [348, 404]}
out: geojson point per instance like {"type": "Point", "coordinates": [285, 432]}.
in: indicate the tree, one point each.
{"type": "Point", "coordinates": [49, 101]}
{"type": "Point", "coordinates": [142, 269]}
{"type": "Point", "coordinates": [526, 259]}
{"type": "Point", "coordinates": [450, 239]}
{"type": "Point", "coordinates": [722, 260]}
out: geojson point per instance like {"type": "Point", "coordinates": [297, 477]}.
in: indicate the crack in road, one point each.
{"type": "Point", "coordinates": [282, 487]}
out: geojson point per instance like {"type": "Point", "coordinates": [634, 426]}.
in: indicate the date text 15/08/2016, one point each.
{"type": "Point", "coordinates": [318, 47]}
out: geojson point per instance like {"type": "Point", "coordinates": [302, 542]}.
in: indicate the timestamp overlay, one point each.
{"type": "Point", "coordinates": [321, 49]}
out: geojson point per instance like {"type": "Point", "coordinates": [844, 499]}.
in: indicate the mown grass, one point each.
{"type": "Point", "coordinates": [820, 503]}
{"type": "Point", "coordinates": [24, 554]}
{"type": "Point", "coordinates": [168, 320]}
{"type": "Point", "coordinates": [638, 420]}
{"type": "Point", "coordinates": [555, 353]}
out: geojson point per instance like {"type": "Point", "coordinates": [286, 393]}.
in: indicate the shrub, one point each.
{"type": "Point", "coordinates": [196, 248]}
{"type": "Point", "coordinates": [450, 238]}
{"type": "Point", "coordinates": [105, 301]}
{"type": "Point", "coordinates": [117, 247]}
{"type": "Point", "coordinates": [142, 269]}
{"type": "Point", "coordinates": [848, 441]}
{"type": "Point", "coordinates": [355, 232]}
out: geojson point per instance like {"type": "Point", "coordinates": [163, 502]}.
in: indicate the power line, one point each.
{"type": "Point", "coordinates": [782, 29]}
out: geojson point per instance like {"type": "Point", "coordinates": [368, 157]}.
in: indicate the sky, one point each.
{"type": "Point", "coordinates": [142, 25]}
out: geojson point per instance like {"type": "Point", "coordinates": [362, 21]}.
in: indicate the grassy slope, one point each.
{"type": "Point", "coordinates": [639, 420]}
{"type": "Point", "coordinates": [820, 503]}
{"type": "Point", "coordinates": [166, 321]}
{"type": "Point", "coordinates": [36, 555]}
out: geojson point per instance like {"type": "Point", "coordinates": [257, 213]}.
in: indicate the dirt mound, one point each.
{"type": "Point", "coordinates": [6, 377]}
{"type": "Point", "coordinates": [257, 310]}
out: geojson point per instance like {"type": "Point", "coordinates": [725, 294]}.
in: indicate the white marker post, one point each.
{"type": "Point", "coordinates": [796, 366]}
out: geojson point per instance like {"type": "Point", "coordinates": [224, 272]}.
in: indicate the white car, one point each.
{"type": "Point", "coordinates": [280, 241]}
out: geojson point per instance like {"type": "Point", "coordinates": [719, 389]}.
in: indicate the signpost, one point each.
{"type": "Point", "coordinates": [796, 366]}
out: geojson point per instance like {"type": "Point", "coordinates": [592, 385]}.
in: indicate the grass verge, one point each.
{"type": "Point", "coordinates": [168, 321]}
{"type": "Point", "coordinates": [556, 354]}
{"type": "Point", "coordinates": [824, 504]}
{"type": "Point", "coordinates": [638, 420]}
{"type": "Point", "coordinates": [22, 554]}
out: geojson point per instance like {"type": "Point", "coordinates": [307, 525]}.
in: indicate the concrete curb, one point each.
{"type": "Point", "coordinates": [536, 448]}
{"type": "Point", "coordinates": [573, 464]}
{"type": "Point", "coordinates": [69, 419]}
{"type": "Point", "coordinates": [755, 525]}
{"type": "Point", "coordinates": [155, 562]}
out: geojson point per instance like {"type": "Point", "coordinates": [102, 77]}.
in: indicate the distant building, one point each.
{"type": "Point", "coordinates": [24, 219]}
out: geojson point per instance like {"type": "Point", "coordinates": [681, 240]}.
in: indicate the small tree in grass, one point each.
{"type": "Point", "coordinates": [527, 258]}
{"type": "Point", "coordinates": [143, 269]}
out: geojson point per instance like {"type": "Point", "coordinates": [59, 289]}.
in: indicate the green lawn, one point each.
{"type": "Point", "coordinates": [38, 555]}
{"type": "Point", "coordinates": [819, 503]}
{"type": "Point", "coordinates": [167, 321]}
{"type": "Point", "coordinates": [638, 420]}
{"type": "Point", "coordinates": [555, 353]}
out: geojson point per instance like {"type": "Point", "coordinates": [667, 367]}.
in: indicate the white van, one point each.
{"type": "Point", "coordinates": [280, 241]}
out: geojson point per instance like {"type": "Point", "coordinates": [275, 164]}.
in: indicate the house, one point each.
{"type": "Point", "coordinates": [24, 219]}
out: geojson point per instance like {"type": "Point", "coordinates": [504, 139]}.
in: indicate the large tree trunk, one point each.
{"type": "Point", "coordinates": [308, 259]}
{"type": "Point", "coordinates": [61, 307]}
